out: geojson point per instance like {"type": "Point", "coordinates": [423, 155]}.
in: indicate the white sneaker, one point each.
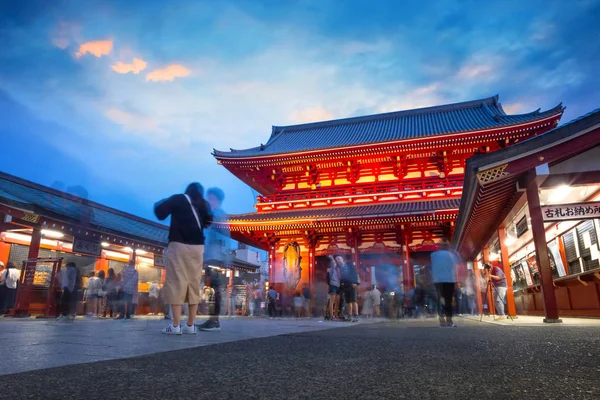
{"type": "Point", "coordinates": [188, 330]}
{"type": "Point", "coordinates": [172, 330]}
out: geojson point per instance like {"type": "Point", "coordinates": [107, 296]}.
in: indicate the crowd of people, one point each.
{"type": "Point", "coordinates": [188, 292]}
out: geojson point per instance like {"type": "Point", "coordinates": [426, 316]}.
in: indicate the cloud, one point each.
{"type": "Point", "coordinates": [135, 67]}
{"type": "Point", "coordinates": [138, 124]}
{"type": "Point", "coordinates": [311, 115]}
{"type": "Point", "coordinates": [474, 70]}
{"type": "Point", "coordinates": [514, 108]}
{"type": "Point", "coordinates": [168, 73]}
{"type": "Point", "coordinates": [98, 48]}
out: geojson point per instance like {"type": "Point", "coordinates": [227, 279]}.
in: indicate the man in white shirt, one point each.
{"type": "Point", "coordinates": [9, 277]}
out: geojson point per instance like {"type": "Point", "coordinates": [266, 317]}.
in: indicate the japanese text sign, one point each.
{"type": "Point", "coordinates": [566, 212]}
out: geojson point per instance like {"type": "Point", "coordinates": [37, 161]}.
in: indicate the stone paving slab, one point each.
{"type": "Point", "coordinates": [392, 360]}
{"type": "Point", "coordinates": [37, 344]}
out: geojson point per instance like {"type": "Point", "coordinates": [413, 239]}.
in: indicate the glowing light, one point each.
{"type": "Point", "coordinates": [128, 249]}
{"type": "Point", "coordinates": [141, 252]}
{"type": "Point", "coordinates": [52, 234]}
{"type": "Point", "coordinates": [105, 244]}
{"type": "Point", "coordinates": [559, 193]}
{"type": "Point", "coordinates": [510, 240]}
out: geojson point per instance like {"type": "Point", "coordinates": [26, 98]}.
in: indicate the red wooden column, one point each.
{"type": "Point", "coordinates": [271, 263]}
{"type": "Point", "coordinates": [24, 295]}
{"type": "Point", "coordinates": [510, 295]}
{"type": "Point", "coordinates": [311, 240]}
{"type": "Point", "coordinates": [407, 270]}
{"type": "Point", "coordinates": [541, 252]}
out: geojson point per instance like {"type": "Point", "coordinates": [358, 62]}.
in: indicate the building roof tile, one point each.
{"type": "Point", "coordinates": [352, 212]}
{"type": "Point", "coordinates": [50, 202]}
{"type": "Point", "coordinates": [401, 125]}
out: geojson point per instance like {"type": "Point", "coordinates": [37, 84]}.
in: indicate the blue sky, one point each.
{"type": "Point", "coordinates": [128, 99]}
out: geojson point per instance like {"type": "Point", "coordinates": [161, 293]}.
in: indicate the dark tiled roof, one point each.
{"type": "Point", "coordinates": [67, 208]}
{"type": "Point", "coordinates": [400, 125]}
{"type": "Point", "coordinates": [364, 211]}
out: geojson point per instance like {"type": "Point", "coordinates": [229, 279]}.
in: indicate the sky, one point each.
{"type": "Point", "coordinates": [128, 98]}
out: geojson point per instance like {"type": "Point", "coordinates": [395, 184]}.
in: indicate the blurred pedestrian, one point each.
{"type": "Point", "coordinates": [111, 288]}
{"type": "Point", "coordinates": [334, 281]}
{"type": "Point", "coordinates": [91, 295]}
{"type": "Point", "coordinates": [130, 288]}
{"type": "Point", "coordinates": [69, 291]}
{"type": "Point", "coordinates": [443, 273]}
{"type": "Point", "coordinates": [217, 248]}
{"type": "Point", "coordinates": [306, 295]}
{"type": "Point", "coordinates": [190, 215]}
{"type": "Point", "coordinates": [272, 297]}
{"type": "Point", "coordinates": [350, 281]}
{"type": "Point", "coordinates": [153, 298]}
{"type": "Point", "coordinates": [9, 277]}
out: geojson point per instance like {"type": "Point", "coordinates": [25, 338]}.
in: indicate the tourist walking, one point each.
{"type": "Point", "coordinates": [91, 295]}
{"type": "Point", "coordinates": [231, 301]}
{"type": "Point", "coordinates": [217, 248]}
{"type": "Point", "coordinates": [153, 292]}
{"type": "Point", "coordinates": [272, 297]}
{"type": "Point", "coordinates": [129, 289]}
{"type": "Point", "coordinates": [190, 214]}
{"type": "Point", "coordinates": [443, 274]}
{"type": "Point", "coordinates": [498, 279]}
{"type": "Point", "coordinates": [9, 277]}
{"type": "Point", "coordinates": [110, 286]}
{"type": "Point", "coordinates": [350, 281]}
{"type": "Point", "coordinates": [306, 295]}
{"type": "Point", "coordinates": [69, 291]}
{"type": "Point", "coordinates": [2, 287]}
{"type": "Point", "coordinates": [334, 281]}
{"type": "Point", "coordinates": [469, 291]}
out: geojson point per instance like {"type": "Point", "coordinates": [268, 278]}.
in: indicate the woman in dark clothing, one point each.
{"type": "Point", "coordinates": [110, 287]}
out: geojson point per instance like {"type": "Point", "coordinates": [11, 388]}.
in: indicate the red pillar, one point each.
{"type": "Point", "coordinates": [311, 265]}
{"type": "Point", "coordinates": [271, 264]}
{"type": "Point", "coordinates": [25, 292]}
{"type": "Point", "coordinates": [541, 252]}
{"type": "Point", "coordinates": [510, 295]}
{"type": "Point", "coordinates": [355, 255]}
{"type": "Point", "coordinates": [407, 271]}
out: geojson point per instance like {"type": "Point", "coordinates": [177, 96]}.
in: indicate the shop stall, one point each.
{"type": "Point", "coordinates": [534, 211]}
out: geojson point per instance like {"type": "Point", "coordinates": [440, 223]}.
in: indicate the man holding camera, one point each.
{"type": "Point", "coordinates": [498, 279]}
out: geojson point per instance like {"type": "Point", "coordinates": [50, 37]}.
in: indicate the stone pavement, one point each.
{"type": "Point", "coordinates": [37, 344]}
{"type": "Point", "coordinates": [389, 360]}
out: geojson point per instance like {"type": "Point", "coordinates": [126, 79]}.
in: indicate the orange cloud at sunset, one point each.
{"type": "Point", "coordinates": [98, 48]}
{"type": "Point", "coordinates": [168, 73]}
{"type": "Point", "coordinates": [136, 66]}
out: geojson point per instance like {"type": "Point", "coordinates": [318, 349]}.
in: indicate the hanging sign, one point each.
{"type": "Point", "coordinates": [556, 258]}
{"type": "Point", "coordinates": [566, 212]}
{"type": "Point", "coordinates": [85, 247]}
{"type": "Point", "coordinates": [159, 260]}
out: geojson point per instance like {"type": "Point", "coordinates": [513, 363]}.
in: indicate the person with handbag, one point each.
{"type": "Point", "coordinates": [190, 214]}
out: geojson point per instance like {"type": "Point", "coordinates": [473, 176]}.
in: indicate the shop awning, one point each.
{"type": "Point", "coordinates": [494, 182]}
